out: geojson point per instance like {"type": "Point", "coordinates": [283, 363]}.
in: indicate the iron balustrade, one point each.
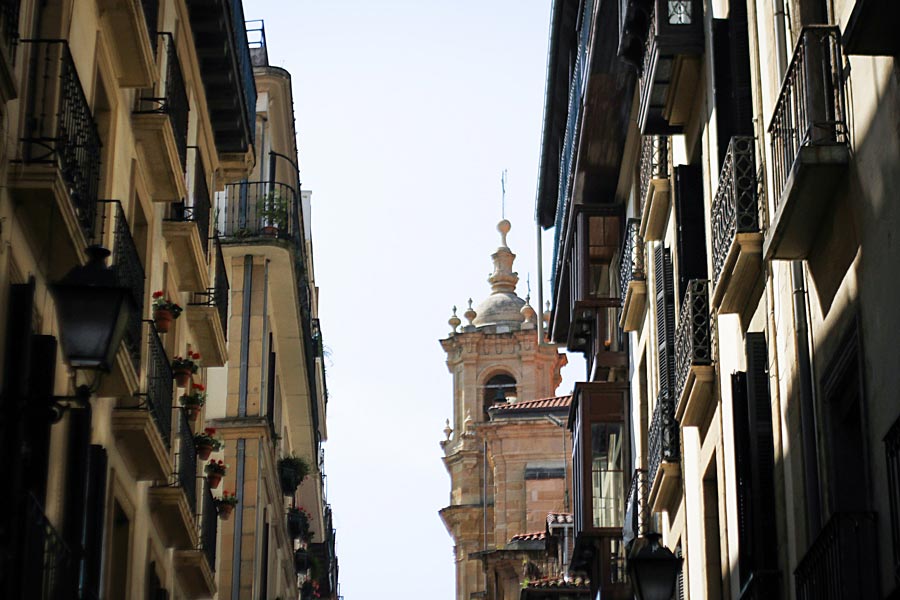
{"type": "Point", "coordinates": [59, 127]}
{"type": "Point", "coordinates": [170, 97]}
{"type": "Point", "coordinates": [151, 14]}
{"type": "Point", "coordinates": [662, 438]}
{"type": "Point", "coordinates": [632, 264]}
{"type": "Point", "coordinates": [9, 25]}
{"type": "Point", "coordinates": [200, 208]}
{"type": "Point", "coordinates": [159, 386]}
{"type": "Point", "coordinates": [209, 525]}
{"type": "Point", "coordinates": [258, 209]}
{"type": "Point", "coordinates": [842, 562]}
{"type": "Point", "coordinates": [128, 267]}
{"type": "Point", "coordinates": [693, 342]}
{"type": "Point", "coordinates": [217, 295]}
{"type": "Point", "coordinates": [48, 567]}
{"type": "Point", "coordinates": [735, 207]}
{"type": "Point", "coordinates": [186, 474]}
{"type": "Point", "coordinates": [811, 108]}
{"type": "Point", "coordinates": [245, 62]}
{"type": "Point", "coordinates": [637, 512]}
{"type": "Point", "coordinates": [654, 162]}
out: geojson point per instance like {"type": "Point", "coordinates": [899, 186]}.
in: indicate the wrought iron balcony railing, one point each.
{"type": "Point", "coordinates": [59, 127]}
{"type": "Point", "coordinates": [811, 108]}
{"type": "Point", "coordinates": [186, 474]}
{"type": "Point", "coordinates": [662, 439]}
{"type": "Point", "coordinates": [654, 162]}
{"type": "Point", "coordinates": [217, 295]}
{"type": "Point", "coordinates": [693, 342]}
{"type": "Point", "coordinates": [637, 512]}
{"type": "Point", "coordinates": [842, 563]}
{"type": "Point", "coordinates": [200, 208]}
{"type": "Point", "coordinates": [209, 525]}
{"type": "Point", "coordinates": [128, 267]}
{"type": "Point", "coordinates": [170, 96]}
{"type": "Point", "coordinates": [47, 564]}
{"type": "Point", "coordinates": [159, 386]}
{"type": "Point", "coordinates": [735, 208]}
{"type": "Point", "coordinates": [632, 265]}
{"type": "Point", "coordinates": [257, 209]}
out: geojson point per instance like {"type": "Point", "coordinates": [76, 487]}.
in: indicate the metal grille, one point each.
{"type": "Point", "coordinates": [60, 128]}
{"type": "Point", "coordinates": [692, 338]}
{"type": "Point", "coordinates": [128, 267]}
{"type": "Point", "coordinates": [632, 267]}
{"type": "Point", "coordinates": [171, 98]}
{"type": "Point", "coordinates": [842, 563]}
{"type": "Point", "coordinates": [202, 203]}
{"type": "Point", "coordinates": [654, 162]}
{"type": "Point", "coordinates": [663, 436]}
{"type": "Point", "coordinates": [48, 566]}
{"type": "Point", "coordinates": [637, 513]}
{"type": "Point", "coordinates": [187, 460]}
{"type": "Point", "coordinates": [811, 108]}
{"type": "Point", "coordinates": [257, 209]}
{"type": "Point", "coordinates": [209, 525]}
{"type": "Point", "coordinates": [159, 386]}
{"type": "Point", "coordinates": [245, 63]}
{"type": "Point", "coordinates": [734, 209]}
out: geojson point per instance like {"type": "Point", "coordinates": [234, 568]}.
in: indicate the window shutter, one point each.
{"type": "Point", "coordinates": [40, 391]}
{"type": "Point", "coordinates": [731, 77]}
{"type": "Point", "coordinates": [665, 317]}
{"type": "Point", "coordinates": [743, 471]}
{"type": "Point", "coordinates": [722, 85]}
{"type": "Point", "coordinates": [95, 518]}
{"type": "Point", "coordinates": [691, 226]}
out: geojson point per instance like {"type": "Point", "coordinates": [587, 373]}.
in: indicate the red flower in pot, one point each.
{"type": "Point", "coordinates": [206, 443]}
{"type": "Point", "coordinates": [194, 401]}
{"type": "Point", "coordinates": [164, 311]}
{"type": "Point", "coordinates": [215, 470]}
{"type": "Point", "coordinates": [184, 367]}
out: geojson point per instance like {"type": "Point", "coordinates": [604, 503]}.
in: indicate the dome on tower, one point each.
{"type": "Point", "coordinates": [503, 306]}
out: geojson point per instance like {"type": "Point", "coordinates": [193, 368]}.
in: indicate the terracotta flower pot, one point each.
{"type": "Point", "coordinates": [192, 412]}
{"type": "Point", "coordinates": [214, 479]}
{"type": "Point", "coordinates": [204, 451]}
{"type": "Point", "coordinates": [163, 318]}
{"type": "Point", "coordinates": [225, 511]}
{"type": "Point", "coordinates": [182, 377]}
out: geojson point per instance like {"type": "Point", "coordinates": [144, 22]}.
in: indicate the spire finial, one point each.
{"type": "Point", "coordinates": [503, 196]}
{"type": "Point", "coordinates": [470, 313]}
{"type": "Point", "coordinates": [503, 279]}
{"type": "Point", "coordinates": [454, 321]}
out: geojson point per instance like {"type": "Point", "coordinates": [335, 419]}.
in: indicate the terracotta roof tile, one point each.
{"type": "Point", "coordinates": [539, 404]}
{"type": "Point", "coordinates": [528, 537]}
{"type": "Point", "coordinates": [573, 583]}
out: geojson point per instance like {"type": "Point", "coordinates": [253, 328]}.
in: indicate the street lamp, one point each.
{"type": "Point", "coordinates": [653, 569]}
{"type": "Point", "coordinates": [93, 311]}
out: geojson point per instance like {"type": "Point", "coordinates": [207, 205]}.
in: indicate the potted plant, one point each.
{"type": "Point", "coordinates": [298, 524]}
{"type": "Point", "coordinates": [292, 470]}
{"type": "Point", "coordinates": [193, 401]}
{"type": "Point", "coordinates": [215, 470]}
{"type": "Point", "coordinates": [274, 214]}
{"type": "Point", "coordinates": [225, 505]}
{"type": "Point", "coordinates": [206, 443]}
{"type": "Point", "coordinates": [164, 311]}
{"type": "Point", "coordinates": [184, 367]}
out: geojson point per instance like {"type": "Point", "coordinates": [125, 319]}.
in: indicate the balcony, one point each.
{"type": "Point", "coordinates": [632, 279]}
{"type": "Point", "coordinates": [57, 172]}
{"type": "Point", "coordinates": [131, 25]}
{"type": "Point", "coordinates": [226, 68]}
{"type": "Point", "coordinates": [871, 29]}
{"type": "Point", "coordinates": [694, 373]}
{"type": "Point", "coordinates": [664, 472]}
{"type": "Point", "coordinates": [143, 430]}
{"type": "Point", "coordinates": [810, 144]}
{"type": "Point", "coordinates": [253, 211]}
{"type": "Point", "coordinates": [208, 315]}
{"type": "Point", "coordinates": [195, 568]}
{"type": "Point", "coordinates": [669, 62]}
{"type": "Point", "coordinates": [654, 196]}
{"type": "Point", "coordinates": [172, 506]}
{"type": "Point", "coordinates": [736, 239]}
{"type": "Point", "coordinates": [160, 126]}
{"type": "Point", "coordinates": [843, 561]}
{"type": "Point", "coordinates": [637, 511]}
{"type": "Point", "coordinates": [45, 565]}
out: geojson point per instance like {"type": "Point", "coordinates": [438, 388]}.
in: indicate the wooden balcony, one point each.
{"type": "Point", "coordinates": [670, 65]}
{"type": "Point", "coordinates": [632, 278]}
{"type": "Point", "coordinates": [694, 371]}
{"type": "Point", "coordinates": [737, 241]}
{"type": "Point", "coordinates": [654, 195]}
{"type": "Point", "coordinates": [810, 144]}
{"type": "Point", "coordinates": [131, 26]}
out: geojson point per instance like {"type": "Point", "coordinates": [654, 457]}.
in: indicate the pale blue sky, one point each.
{"type": "Point", "coordinates": [407, 112]}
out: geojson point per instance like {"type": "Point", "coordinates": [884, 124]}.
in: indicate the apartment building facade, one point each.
{"type": "Point", "coordinates": [720, 178]}
{"type": "Point", "coordinates": [121, 121]}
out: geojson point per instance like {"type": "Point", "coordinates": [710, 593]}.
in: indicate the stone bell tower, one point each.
{"type": "Point", "coordinates": [496, 361]}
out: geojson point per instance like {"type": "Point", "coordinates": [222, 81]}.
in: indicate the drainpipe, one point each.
{"type": "Point", "coordinates": [540, 284]}
{"type": "Point", "coordinates": [801, 340]}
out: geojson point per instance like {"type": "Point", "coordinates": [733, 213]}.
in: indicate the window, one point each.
{"type": "Point", "coordinates": [607, 476]}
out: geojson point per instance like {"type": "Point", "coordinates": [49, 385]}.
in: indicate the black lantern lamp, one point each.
{"type": "Point", "coordinates": [93, 311]}
{"type": "Point", "coordinates": [653, 569]}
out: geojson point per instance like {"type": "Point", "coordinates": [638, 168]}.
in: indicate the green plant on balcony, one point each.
{"type": "Point", "coordinates": [274, 213]}
{"type": "Point", "coordinates": [292, 470]}
{"type": "Point", "coordinates": [193, 401]}
{"type": "Point", "coordinates": [184, 367]}
{"type": "Point", "coordinates": [215, 470]}
{"type": "Point", "coordinates": [206, 443]}
{"type": "Point", "coordinates": [225, 505]}
{"type": "Point", "coordinates": [164, 311]}
{"type": "Point", "coordinates": [298, 524]}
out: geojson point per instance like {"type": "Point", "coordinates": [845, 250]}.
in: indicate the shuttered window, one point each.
{"type": "Point", "coordinates": [665, 318]}
{"type": "Point", "coordinates": [691, 221]}
{"type": "Point", "coordinates": [731, 77]}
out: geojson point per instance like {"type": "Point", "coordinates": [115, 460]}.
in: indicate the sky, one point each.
{"type": "Point", "coordinates": [407, 114]}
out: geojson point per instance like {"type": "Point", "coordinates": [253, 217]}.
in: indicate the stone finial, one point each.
{"type": "Point", "coordinates": [454, 321]}
{"type": "Point", "coordinates": [469, 421]}
{"type": "Point", "coordinates": [448, 431]}
{"type": "Point", "coordinates": [503, 227]}
{"type": "Point", "coordinates": [470, 313]}
{"type": "Point", "coordinates": [503, 279]}
{"type": "Point", "coordinates": [529, 314]}
{"type": "Point", "coordinates": [547, 313]}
